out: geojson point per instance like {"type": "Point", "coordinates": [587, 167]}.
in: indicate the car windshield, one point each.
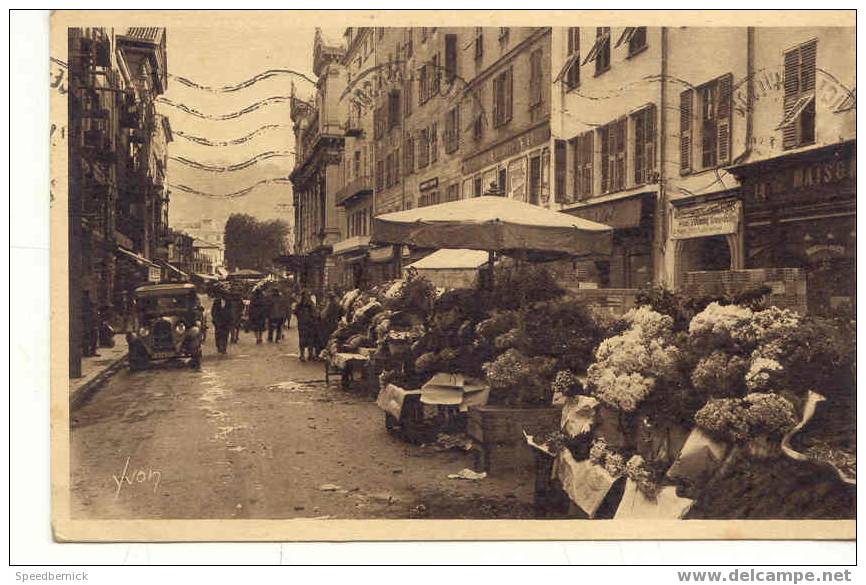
{"type": "Point", "coordinates": [167, 303]}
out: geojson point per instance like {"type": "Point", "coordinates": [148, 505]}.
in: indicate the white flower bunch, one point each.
{"type": "Point", "coordinates": [716, 319]}
{"type": "Point", "coordinates": [760, 373]}
{"type": "Point", "coordinates": [627, 365]}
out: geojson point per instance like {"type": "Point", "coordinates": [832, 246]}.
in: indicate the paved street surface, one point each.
{"type": "Point", "coordinates": [257, 434]}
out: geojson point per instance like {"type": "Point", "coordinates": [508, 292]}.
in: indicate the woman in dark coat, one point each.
{"type": "Point", "coordinates": [258, 313]}
{"type": "Point", "coordinates": [305, 311]}
{"type": "Point", "coordinates": [221, 317]}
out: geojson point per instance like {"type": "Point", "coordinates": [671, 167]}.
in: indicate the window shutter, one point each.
{"type": "Point", "coordinates": [451, 56]}
{"type": "Point", "coordinates": [650, 152]}
{"type": "Point", "coordinates": [686, 99]}
{"type": "Point", "coordinates": [559, 154]}
{"type": "Point", "coordinates": [509, 101]}
{"type": "Point", "coordinates": [808, 56]}
{"type": "Point", "coordinates": [723, 119]}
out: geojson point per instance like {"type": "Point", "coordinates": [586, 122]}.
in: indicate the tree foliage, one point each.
{"type": "Point", "coordinates": [251, 243]}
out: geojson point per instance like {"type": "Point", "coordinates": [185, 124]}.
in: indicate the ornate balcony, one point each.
{"type": "Point", "coordinates": [358, 186]}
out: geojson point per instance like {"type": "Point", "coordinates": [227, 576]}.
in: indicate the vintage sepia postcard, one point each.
{"type": "Point", "coordinates": [444, 275]}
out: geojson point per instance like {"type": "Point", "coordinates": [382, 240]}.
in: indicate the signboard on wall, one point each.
{"type": "Point", "coordinates": [154, 273]}
{"type": "Point", "coordinates": [517, 179]}
{"type": "Point", "coordinates": [713, 218]}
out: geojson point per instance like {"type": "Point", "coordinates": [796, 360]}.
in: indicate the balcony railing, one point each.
{"type": "Point", "coordinates": [359, 185]}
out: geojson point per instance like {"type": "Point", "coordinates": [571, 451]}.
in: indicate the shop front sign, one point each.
{"type": "Point", "coordinates": [534, 137]}
{"type": "Point", "coordinates": [713, 218]}
{"type": "Point", "coordinates": [805, 182]}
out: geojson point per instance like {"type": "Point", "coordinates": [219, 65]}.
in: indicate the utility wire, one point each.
{"type": "Point", "coordinates": [244, 84]}
{"type": "Point", "coordinates": [207, 142]}
{"type": "Point", "coordinates": [228, 168]}
{"type": "Point", "coordinates": [234, 115]}
{"type": "Point", "coordinates": [233, 194]}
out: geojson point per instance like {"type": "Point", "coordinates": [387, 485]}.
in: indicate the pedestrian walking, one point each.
{"type": "Point", "coordinates": [276, 316]}
{"type": "Point", "coordinates": [236, 308]}
{"type": "Point", "coordinates": [221, 317]}
{"type": "Point", "coordinates": [305, 311]}
{"type": "Point", "coordinates": [258, 314]}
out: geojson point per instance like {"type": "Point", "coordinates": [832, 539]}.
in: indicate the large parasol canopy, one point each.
{"type": "Point", "coordinates": [494, 224]}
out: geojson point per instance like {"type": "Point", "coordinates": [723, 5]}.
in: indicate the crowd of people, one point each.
{"type": "Point", "coordinates": [271, 311]}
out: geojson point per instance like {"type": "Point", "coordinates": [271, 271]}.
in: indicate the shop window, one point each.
{"type": "Point", "coordinates": [534, 179]}
{"type": "Point", "coordinates": [545, 176]}
{"type": "Point", "coordinates": [536, 73]}
{"type": "Point", "coordinates": [476, 186]}
{"type": "Point", "coordinates": [452, 129]}
{"type": "Point", "coordinates": [644, 125]}
{"type": "Point", "coordinates": [798, 123]}
{"type": "Point", "coordinates": [613, 156]}
{"type": "Point", "coordinates": [428, 198]}
{"type": "Point", "coordinates": [453, 193]}
{"type": "Point", "coordinates": [503, 93]}
{"type": "Point", "coordinates": [501, 181]}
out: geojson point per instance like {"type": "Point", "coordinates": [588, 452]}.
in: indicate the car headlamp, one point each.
{"type": "Point", "coordinates": [144, 331]}
{"type": "Point", "coordinates": [180, 327]}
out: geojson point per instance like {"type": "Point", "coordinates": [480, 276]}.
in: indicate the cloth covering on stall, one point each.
{"type": "Point", "coordinates": [578, 415]}
{"type": "Point", "coordinates": [585, 483]}
{"type": "Point", "coordinates": [494, 223]}
{"type": "Point", "coordinates": [392, 397]}
{"type": "Point", "coordinates": [455, 390]}
{"type": "Point", "coordinates": [699, 458]}
{"type": "Point", "coordinates": [667, 505]}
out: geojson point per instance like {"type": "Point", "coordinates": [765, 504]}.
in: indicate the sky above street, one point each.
{"type": "Point", "coordinates": [218, 56]}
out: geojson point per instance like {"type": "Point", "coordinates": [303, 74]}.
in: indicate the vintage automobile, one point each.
{"type": "Point", "coordinates": [168, 323]}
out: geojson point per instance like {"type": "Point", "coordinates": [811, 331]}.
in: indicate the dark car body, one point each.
{"type": "Point", "coordinates": [168, 322]}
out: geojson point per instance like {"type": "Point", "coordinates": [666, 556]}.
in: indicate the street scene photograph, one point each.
{"type": "Point", "coordinates": [569, 272]}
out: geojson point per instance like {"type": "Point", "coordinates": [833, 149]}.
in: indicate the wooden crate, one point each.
{"type": "Point", "coordinates": [505, 425]}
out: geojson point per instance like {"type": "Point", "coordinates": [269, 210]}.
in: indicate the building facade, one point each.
{"type": "Point", "coordinates": [318, 125]}
{"type": "Point", "coordinates": [716, 154]}
{"type": "Point", "coordinates": [117, 153]}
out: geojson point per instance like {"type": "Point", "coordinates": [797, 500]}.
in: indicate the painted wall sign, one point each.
{"type": "Point", "coordinates": [713, 218]}
{"type": "Point", "coordinates": [429, 184]}
{"type": "Point", "coordinates": [810, 181]}
{"type": "Point", "coordinates": [516, 145]}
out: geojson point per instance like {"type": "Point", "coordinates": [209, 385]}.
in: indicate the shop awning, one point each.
{"type": "Point", "coordinates": [494, 224]}
{"type": "Point", "coordinates": [172, 268]}
{"type": "Point", "coordinates": [138, 259]}
{"type": "Point", "coordinates": [379, 255]}
{"type": "Point", "coordinates": [352, 244]}
{"type": "Point", "coordinates": [452, 259]}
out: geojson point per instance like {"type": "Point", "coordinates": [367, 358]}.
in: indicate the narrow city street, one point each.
{"type": "Point", "coordinates": [258, 434]}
